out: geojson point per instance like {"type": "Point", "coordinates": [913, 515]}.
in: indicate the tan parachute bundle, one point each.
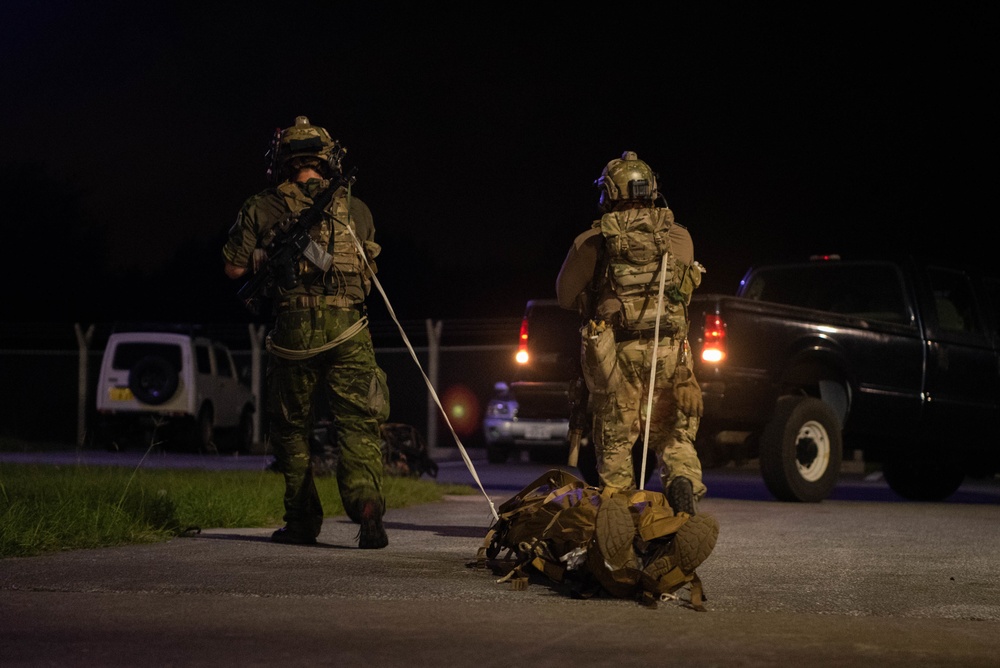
{"type": "Point", "coordinates": [627, 544]}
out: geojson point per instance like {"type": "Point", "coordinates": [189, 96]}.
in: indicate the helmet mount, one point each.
{"type": "Point", "coordinates": [626, 179]}
{"type": "Point", "coordinates": [295, 145]}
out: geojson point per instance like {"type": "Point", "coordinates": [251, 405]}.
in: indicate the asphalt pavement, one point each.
{"type": "Point", "coordinates": [864, 579]}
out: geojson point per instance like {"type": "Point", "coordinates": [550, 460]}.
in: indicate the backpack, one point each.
{"type": "Point", "coordinates": [404, 451]}
{"type": "Point", "coordinates": [627, 544]}
{"type": "Point", "coordinates": [636, 245]}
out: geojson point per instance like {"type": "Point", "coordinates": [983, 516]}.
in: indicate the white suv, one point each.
{"type": "Point", "coordinates": [187, 385]}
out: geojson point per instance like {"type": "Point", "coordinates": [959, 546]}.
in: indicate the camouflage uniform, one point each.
{"type": "Point", "coordinates": [620, 299]}
{"type": "Point", "coordinates": [311, 345]}
{"type": "Point", "coordinates": [620, 415]}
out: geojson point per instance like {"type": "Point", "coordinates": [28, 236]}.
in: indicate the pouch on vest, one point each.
{"type": "Point", "coordinates": [599, 357]}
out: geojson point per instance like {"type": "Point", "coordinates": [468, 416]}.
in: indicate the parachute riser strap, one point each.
{"type": "Point", "coordinates": [652, 369]}
{"type": "Point", "coordinates": [661, 248]}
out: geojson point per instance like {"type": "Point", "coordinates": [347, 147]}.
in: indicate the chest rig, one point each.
{"type": "Point", "coordinates": [332, 265]}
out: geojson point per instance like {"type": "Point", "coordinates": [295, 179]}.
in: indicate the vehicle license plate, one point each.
{"type": "Point", "coordinates": [120, 394]}
{"type": "Point", "coordinates": [535, 433]}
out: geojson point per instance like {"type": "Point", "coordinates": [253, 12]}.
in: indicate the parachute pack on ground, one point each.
{"type": "Point", "coordinates": [626, 544]}
{"type": "Point", "coordinates": [404, 450]}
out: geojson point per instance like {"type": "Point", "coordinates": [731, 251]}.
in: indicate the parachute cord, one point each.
{"type": "Point", "coordinates": [289, 354]}
{"type": "Point", "coordinates": [413, 354]}
{"type": "Point", "coordinates": [652, 372]}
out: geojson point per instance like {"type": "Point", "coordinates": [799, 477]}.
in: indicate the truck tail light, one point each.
{"type": "Point", "coordinates": [521, 357]}
{"type": "Point", "coordinates": [714, 350]}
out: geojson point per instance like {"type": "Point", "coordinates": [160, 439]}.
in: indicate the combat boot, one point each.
{"type": "Point", "coordinates": [292, 535]}
{"type": "Point", "coordinates": [372, 534]}
{"type": "Point", "coordinates": [680, 496]}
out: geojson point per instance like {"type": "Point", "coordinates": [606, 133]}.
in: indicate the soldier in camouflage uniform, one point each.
{"type": "Point", "coordinates": [616, 274]}
{"type": "Point", "coordinates": [320, 333]}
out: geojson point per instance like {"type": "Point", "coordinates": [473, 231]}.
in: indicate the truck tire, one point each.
{"type": "Point", "coordinates": [801, 450]}
{"type": "Point", "coordinates": [920, 475]}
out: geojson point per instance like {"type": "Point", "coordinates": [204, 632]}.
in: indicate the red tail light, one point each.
{"type": "Point", "coordinates": [714, 350]}
{"type": "Point", "coordinates": [522, 343]}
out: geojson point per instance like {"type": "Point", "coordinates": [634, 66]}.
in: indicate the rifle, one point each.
{"type": "Point", "coordinates": [288, 247]}
{"type": "Point", "coordinates": [579, 417]}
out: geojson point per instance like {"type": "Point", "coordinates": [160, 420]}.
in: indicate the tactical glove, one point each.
{"type": "Point", "coordinates": [688, 393]}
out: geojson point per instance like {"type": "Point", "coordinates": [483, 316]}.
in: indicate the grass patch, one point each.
{"type": "Point", "coordinates": [47, 508]}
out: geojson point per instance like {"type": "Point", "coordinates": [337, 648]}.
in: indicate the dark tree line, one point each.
{"type": "Point", "coordinates": [58, 266]}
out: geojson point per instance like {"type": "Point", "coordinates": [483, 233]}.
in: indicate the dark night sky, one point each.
{"type": "Point", "coordinates": [777, 130]}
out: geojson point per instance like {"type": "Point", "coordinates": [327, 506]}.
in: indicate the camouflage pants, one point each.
{"type": "Point", "coordinates": [620, 419]}
{"type": "Point", "coordinates": [359, 404]}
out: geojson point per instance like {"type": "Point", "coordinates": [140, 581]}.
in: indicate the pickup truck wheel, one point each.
{"type": "Point", "coordinates": [801, 450]}
{"type": "Point", "coordinates": [497, 453]}
{"type": "Point", "coordinates": [920, 475]}
{"type": "Point", "coordinates": [153, 380]}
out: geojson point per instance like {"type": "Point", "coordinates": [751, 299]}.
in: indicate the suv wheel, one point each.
{"type": "Point", "coordinates": [153, 380]}
{"type": "Point", "coordinates": [243, 440]}
{"type": "Point", "coordinates": [203, 432]}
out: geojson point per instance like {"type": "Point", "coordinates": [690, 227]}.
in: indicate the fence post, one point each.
{"type": "Point", "coordinates": [83, 346]}
{"type": "Point", "coordinates": [433, 362]}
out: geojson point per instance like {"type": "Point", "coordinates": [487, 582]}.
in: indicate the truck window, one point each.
{"type": "Point", "coordinates": [222, 361]}
{"type": "Point", "coordinates": [872, 291]}
{"type": "Point", "coordinates": [127, 354]}
{"type": "Point", "coordinates": [953, 300]}
{"type": "Point", "coordinates": [202, 359]}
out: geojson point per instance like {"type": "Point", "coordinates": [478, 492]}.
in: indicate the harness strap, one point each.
{"type": "Point", "coordinates": [624, 335]}
{"type": "Point", "coordinates": [312, 301]}
{"type": "Point", "coordinates": [289, 354]}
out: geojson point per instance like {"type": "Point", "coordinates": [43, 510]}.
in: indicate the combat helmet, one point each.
{"type": "Point", "coordinates": [626, 178]}
{"type": "Point", "coordinates": [303, 140]}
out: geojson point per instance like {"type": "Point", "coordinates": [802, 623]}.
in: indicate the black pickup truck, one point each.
{"type": "Point", "coordinates": [813, 361]}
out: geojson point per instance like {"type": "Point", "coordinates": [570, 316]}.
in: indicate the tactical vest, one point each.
{"type": "Point", "coordinates": [636, 250]}
{"type": "Point", "coordinates": [346, 276]}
